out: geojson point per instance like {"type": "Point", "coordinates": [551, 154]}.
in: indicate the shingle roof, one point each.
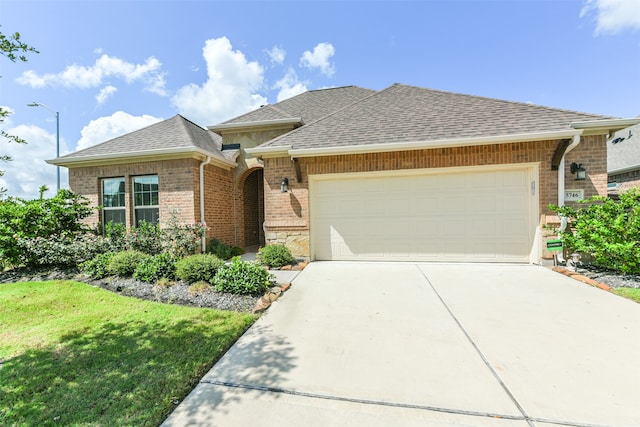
{"type": "Point", "coordinates": [311, 105]}
{"type": "Point", "coordinates": [404, 113]}
{"type": "Point", "coordinates": [174, 133]}
{"type": "Point", "coordinates": [625, 153]}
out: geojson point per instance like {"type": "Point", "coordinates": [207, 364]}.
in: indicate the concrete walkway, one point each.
{"type": "Point", "coordinates": [382, 344]}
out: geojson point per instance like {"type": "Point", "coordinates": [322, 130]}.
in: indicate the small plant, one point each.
{"type": "Point", "coordinates": [164, 283]}
{"type": "Point", "coordinates": [275, 256]}
{"type": "Point", "coordinates": [219, 249]}
{"type": "Point", "coordinates": [97, 267]}
{"type": "Point", "coordinates": [198, 267]}
{"type": "Point", "coordinates": [200, 288]}
{"type": "Point", "coordinates": [156, 267]}
{"type": "Point", "coordinates": [125, 263]}
{"type": "Point", "coordinates": [242, 278]}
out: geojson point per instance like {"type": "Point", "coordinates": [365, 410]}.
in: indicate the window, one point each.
{"type": "Point", "coordinates": [113, 201]}
{"type": "Point", "coordinates": [145, 199]}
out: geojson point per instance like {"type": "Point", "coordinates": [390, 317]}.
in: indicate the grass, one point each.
{"type": "Point", "coordinates": [630, 293]}
{"type": "Point", "coordinates": [72, 354]}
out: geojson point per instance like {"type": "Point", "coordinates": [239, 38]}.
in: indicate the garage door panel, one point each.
{"type": "Point", "coordinates": [482, 216]}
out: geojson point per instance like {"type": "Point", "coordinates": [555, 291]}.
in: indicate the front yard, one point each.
{"type": "Point", "coordinates": [74, 354]}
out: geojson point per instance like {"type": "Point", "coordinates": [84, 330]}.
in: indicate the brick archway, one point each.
{"type": "Point", "coordinates": [253, 208]}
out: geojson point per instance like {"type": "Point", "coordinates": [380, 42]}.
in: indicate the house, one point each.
{"type": "Point", "coordinates": [623, 160]}
{"type": "Point", "coordinates": [404, 173]}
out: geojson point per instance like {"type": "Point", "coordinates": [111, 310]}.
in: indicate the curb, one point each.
{"type": "Point", "coordinates": [581, 278]}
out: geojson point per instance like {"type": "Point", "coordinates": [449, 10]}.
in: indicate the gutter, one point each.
{"type": "Point", "coordinates": [202, 220]}
{"type": "Point", "coordinates": [220, 160]}
{"type": "Point", "coordinates": [287, 150]}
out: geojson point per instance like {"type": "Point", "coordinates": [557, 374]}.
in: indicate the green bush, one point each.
{"type": "Point", "coordinates": [154, 268]}
{"type": "Point", "coordinates": [145, 238]}
{"type": "Point", "coordinates": [195, 268]}
{"type": "Point", "coordinates": [606, 229]}
{"type": "Point", "coordinates": [242, 278]}
{"type": "Point", "coordinates": [275, 256]}
{"type": "Point", "coordinates": [97, 267]}
{"type": "Point", "coordinates": [125, 263]}
{"type": "Point", "coordinates": [21, 220]}
{"type": "Point", "coordinates": [222, 250]}
{"type": "Point", "coordinates": [61, 250]}
{"type": "Point", "coordinates": [182, 240]}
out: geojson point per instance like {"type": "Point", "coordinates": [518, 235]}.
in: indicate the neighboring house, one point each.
{"type": "Point", "coordinates": [623, 160]}
{"type": "Point", "coordinates": [405, 173]}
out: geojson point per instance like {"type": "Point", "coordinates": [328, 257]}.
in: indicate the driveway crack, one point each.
{"type": "Point", "coordinates": [527, 418]}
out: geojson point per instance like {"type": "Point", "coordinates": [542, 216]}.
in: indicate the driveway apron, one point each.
{"type": "Point", "coordinates": [429, 344]}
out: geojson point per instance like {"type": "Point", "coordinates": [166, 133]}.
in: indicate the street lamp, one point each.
{"type": "Point", "coordinates": [37, 104]}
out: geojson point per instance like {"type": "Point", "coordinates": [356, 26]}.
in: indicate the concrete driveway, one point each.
{"type": "Point", "coordinates": [414, 344]}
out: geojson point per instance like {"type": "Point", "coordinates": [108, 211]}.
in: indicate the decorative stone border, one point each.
{"type": "Point", "coordinates": [276, 292]}
{"type": "Point", "coordinates": [579, 277]}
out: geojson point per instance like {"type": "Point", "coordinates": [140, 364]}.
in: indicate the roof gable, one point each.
{"type": "Point", "coordinates": [403, 113]}
{"type": "Point", "coordinates": [310, 106]}
{"type": "Point", "coordinates": [623, 150]}
{"type": "Point", "coordinates": [176, 135]}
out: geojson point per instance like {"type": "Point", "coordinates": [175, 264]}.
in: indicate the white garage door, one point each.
{"type": "Point", "coordinates": [477, 215]}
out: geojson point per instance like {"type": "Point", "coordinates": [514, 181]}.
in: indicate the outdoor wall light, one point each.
{"type": "Point", "coordinates": [579, 171]}
{"type": "Point", "coordinates": [284, 185]}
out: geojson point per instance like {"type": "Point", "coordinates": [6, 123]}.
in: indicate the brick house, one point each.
{"type": "Point", "coordinates": [623, 160]}
{"type": "Point", "coordinates": [348, 173]}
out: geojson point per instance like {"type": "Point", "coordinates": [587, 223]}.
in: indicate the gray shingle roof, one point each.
{"type": "Point", "coordinates": [174, 133]}
{"type": "Point", "coordinates": [311, 105]}
{"type": "Point", "coordinates": [625, 153]}
{"type": "Point", "coordinates": [404, 113]}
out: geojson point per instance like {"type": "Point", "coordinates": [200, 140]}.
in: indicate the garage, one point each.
{"type": "Point", "coordinates": [477, 214]}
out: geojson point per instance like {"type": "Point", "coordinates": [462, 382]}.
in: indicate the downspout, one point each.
{"type": "Point", "coordinates": [202, 220]}
{"type": "Point", "coordinates": [561, 184]}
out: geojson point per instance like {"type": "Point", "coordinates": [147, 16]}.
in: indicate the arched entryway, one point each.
{"type": "Point", "coordinates": [253, 208]}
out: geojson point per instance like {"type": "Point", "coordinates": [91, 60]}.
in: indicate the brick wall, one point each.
{"type": "Point", "coordinates": [179, 191]}
{"type": "Point", "coordinates": [287, 214]}
{"type": "Point", "coordinates": [626, 180]}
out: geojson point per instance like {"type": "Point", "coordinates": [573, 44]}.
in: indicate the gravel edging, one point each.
{"type": "Point", "coordinates": [603, 279]}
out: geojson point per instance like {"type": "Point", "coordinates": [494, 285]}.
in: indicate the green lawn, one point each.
{"type": "Point", "coordinates": [631, 293]}
{"type": "Point", "coordinates": [78, 355]}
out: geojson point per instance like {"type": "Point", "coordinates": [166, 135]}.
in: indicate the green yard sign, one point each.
{"type": "Point", "coordinates": [554, 245]}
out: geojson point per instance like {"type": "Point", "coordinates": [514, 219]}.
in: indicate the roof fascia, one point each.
{"type": "Point", "coordinates": [427, 145]}
{"type": "Point", "coordinates": [258, 151]}
{"type": "Point", "coordinates": [145, 155]}
{"type": "Point", "coordinates": [245, 126]}
{"type": "Point", "coordinates": [623, 170]}
{"type": "Point", "coordinates": [607, 126]}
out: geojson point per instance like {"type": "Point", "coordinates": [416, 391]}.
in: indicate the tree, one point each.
{"type": "Point", "coordinates": [12, 48]}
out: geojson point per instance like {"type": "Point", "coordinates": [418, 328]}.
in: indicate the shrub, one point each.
{"type": "Point", "coordinates": [125, 263]}
{"type": "Point", "coordinates": [145, 238]}
{"type": "Point", "coordinates": [606, 229]}
{"type": "Point", "coordinates": [61, 250]}
{"type": "Point", "coordinates": [194, 268]}
{"type": "Point", "coordinates": [97, 267]}
{"type": "Point", "coordinates": [222, 250]}
{"type": "Point", "coordinates": [182, 240]}
{"type": "Point", "coordinates": [275, 256]}
{"type": "Point", "coordinates": [242, 278]}
{"type": "Point", "coordinates": [153, 268]}
{"type": "Point", "coordinates": [21, 220]}
{"type": "Point", "coordinates": [164, 283]}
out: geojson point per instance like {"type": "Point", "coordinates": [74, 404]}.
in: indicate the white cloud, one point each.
{"type": "Point", "coordinates": [83, 77]}
{"type": "Point", "coordinates": [277, 55]}
{"type": "Point", "coordinates": [289, 86]}
{"type": "Point", "coordinates": [106, 93]}
{"type": "Point", "coordinates": [109, 127]}
{"type": "Point", "coordinates": [230, 90]}
{"type": "Point", "coordinates": [613, 16]}
{"type": "Point", "coordinates": [319, 58]}
{"type": "Point", "coordinates": [28, 171]}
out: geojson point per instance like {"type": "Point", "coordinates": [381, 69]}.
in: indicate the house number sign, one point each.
{"type": "Point", "coordinates": [573, 195]}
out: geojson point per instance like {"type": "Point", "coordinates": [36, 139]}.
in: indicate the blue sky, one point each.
{"type": "Point", "coordinates": [111, 67]}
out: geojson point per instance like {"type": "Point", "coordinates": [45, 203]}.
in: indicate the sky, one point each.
{"type": "Point", "coordinates": [112, 67]}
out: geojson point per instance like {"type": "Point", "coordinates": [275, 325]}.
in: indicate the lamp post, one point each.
{"type": "Point", "coordinates": [57, 114]}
